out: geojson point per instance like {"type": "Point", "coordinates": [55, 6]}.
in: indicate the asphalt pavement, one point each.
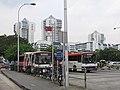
{"type": "Point", "coordinates": [99, 80]}
{"type": "Point", "coordinates": [28, 82]}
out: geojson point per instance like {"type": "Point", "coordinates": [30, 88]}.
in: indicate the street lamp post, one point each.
{"type": "Point", "coordinates": [18, 31]}
{"type": "Point", "coordinates": [116, 28]}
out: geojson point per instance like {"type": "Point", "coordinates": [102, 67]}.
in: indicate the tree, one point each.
{"type": "Point", "coordinates": [6, 41]}
{"type": "Point", "coordinates": [8, 46]}
{"type": "Point", "coordinates": [108, 54]}
{"type": "Point", "coordinates": [11, 52]}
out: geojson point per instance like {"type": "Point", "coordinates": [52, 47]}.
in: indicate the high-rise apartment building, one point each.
{"type": "Point", "coordinates": [97, 39]}
{"type": "Point", "coordinates": [27, 30]}
{"type": "Point", "coordinates": [52, 29]}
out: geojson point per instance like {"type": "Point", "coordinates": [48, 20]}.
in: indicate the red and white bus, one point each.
{"type": "Point", "coordinates": [80, 60]}
{"type": "Point", "coordinates": [31, 60]}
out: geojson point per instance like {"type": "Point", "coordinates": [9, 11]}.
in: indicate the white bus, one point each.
{"type": "Point", "coordinates": [81, 60]}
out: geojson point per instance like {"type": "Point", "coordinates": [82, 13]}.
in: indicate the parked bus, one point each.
{"type": "Point", "coordinates": [80, 60]}
{"type": "Point", "coordinates": [29, 61]}
{"type": "Point", "coordinates": [40, 64]}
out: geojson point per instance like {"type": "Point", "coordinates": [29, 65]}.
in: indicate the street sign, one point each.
{"type": "Point", "coordinates": [59, 55]}
{"type": "Point", "coordinates": [56, 43]}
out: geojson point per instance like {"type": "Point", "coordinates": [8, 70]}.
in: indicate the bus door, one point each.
{"type": "Point", "coordinates": [79, 64]}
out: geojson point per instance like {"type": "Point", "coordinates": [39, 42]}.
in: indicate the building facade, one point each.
{"type": "Point", "coordinates": [72, 47]}
{"type": "Point", "coordinates": [41, 45]}
{"type": "Point", "coordinates": [27, 30]}
{"type": "Point", "coordinates": [97, 39]}
{"type": "Point", "coordinates": [51, 29]}
{"type": "Point", "coordinates": [87, 46]}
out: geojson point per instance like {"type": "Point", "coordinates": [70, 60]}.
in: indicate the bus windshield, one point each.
{"type": "Point", "coordinates": [42, 59]}
{"type": "Point", "coordinates": [88, 59]}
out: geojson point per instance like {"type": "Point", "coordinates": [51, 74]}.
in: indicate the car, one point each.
{"type": "Point", "coordinates": [4, 64]}
{"type": "Point", "coordinates": [113, 64]}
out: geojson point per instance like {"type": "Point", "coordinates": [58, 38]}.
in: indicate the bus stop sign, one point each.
{"type": "Point", "coordinates": [59, 55]}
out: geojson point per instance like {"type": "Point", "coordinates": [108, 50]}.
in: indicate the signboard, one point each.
{"type": "Point", "coordinates": [48, 28]}
{"type": "Point", "coordinates": [59, 55]}
{"type": "Point", "coordinates": [56, 43]}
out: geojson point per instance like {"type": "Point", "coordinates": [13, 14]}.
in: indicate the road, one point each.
{"type": "Point", "coordinates": [36, 83]}
{"type": "Point", "coordinates": [99, 80]}
{"type": "Point", "coordinates": [6, 84]}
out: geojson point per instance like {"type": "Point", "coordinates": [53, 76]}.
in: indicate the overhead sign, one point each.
{"type": "Point", "coordinates": [59, 55]}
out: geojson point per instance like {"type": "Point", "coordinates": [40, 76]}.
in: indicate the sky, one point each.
{"type": "Point", "coordinates": [84, 17]}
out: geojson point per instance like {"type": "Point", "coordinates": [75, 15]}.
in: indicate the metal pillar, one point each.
{"type": "Point", "coordinates": [65, 47]}
{"type": "Point", "coordinates": [52, 55]}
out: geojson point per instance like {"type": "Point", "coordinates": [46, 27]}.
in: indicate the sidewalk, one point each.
{"type": "Point", "coordinates": [6, 84]}
{"type": "Point", "coordinates": [28, 82]}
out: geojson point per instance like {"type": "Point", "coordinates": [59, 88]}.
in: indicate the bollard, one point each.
{"type": "Point", "coordinates": [85, 78]}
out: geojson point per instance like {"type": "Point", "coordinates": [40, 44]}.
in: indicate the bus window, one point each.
{"type": "Point", "coordinates": [37, 60]}
{"type": "Point", "coordinates": [74, 58]}
{"type": "Point", "coordinates": [79, 58]}
{"type": "Point", "coordinates": [43, 59]}
{"type": "Point", "coordinates": [71, 58]}
{"type": "Point", "coordinates": [48, 59]}
{"type": "Point", "coordinates": [88, 59]}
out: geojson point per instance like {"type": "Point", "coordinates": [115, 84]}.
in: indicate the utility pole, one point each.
{"type": "Point", "coordinates": [65, 47]}
{"type": "Point", "coordinates": [53, 40]}
{"type": "Point", "coordinates": [52, 55]}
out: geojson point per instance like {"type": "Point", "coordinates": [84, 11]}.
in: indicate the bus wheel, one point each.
{"type": "Point", "coordinates": [74, 68]}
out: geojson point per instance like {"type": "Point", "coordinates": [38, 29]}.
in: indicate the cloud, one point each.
{"type": "Point", "coordinates": [84, 16]}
